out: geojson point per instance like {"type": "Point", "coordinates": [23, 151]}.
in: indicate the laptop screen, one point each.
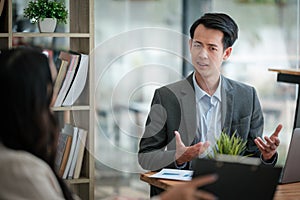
{"type": "Point", "coordinates": [291, 172]}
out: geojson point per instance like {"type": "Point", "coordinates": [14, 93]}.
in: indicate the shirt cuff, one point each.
{"type": "Point", "coordinates": [271, 161]}
{"type": "Point", "coordinates": [180, 166]}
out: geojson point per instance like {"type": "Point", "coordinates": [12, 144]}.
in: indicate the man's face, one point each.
{"type": "Point", "coordinates": [207, 51]}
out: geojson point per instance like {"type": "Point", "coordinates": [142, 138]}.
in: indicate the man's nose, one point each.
{"type": "Point", "coordinates": [203, 53]}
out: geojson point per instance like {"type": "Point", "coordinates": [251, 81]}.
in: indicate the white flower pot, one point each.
{"type": "Point", "coordinates": [47, 25]}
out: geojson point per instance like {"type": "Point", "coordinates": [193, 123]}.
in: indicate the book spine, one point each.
{"type": "Point", "coordinates": [82, 144]}
{"type": "Point", "coordinates": [72, 150]}
{"type": "Point", "coordinates": [67, 82]}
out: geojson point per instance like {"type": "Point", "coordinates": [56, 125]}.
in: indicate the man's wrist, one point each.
{"type": "Point", "coordinates": [180, 166]}
{"type": "Point", "coordinates": [270, 161]}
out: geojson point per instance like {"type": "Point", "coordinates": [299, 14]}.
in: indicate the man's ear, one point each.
{"type": "Point", "coordinates": [227, 53]}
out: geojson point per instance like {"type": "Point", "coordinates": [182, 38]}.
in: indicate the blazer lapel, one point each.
{"type": "Point", "coordinates": [188, 109]}
{"type": "Point", "coordinates": [227, 105]}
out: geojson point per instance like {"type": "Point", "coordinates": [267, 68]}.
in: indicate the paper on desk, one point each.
{"type": "Point", "coordinates": [174, 174]}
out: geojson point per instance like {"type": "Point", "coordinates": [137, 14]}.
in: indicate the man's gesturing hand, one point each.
{"type": "Point", "coordinates": [188, 153]}
{"type": "Point", "coordinates": [269, 148]}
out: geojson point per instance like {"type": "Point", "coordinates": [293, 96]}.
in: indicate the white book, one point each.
{"type": "Point", "coordinates": [60, 78]}
{"type": "Point", "coordinates": [78, 151]}
{"type": "Point", "coordinates": [81, 143]}
{"type": "Point", "coordinates": [72, 151]}
{"type": "Point", "coordinates": [73, 64]}
{"type": "Point", "coordinates": [79, 81]}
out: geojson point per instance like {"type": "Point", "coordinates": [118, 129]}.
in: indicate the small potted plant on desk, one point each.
{"type": "Point", "coordinates": [230, 148]}
{"type": "Point", "coordinates": [229, 145]}
{"type": "Point", "coordinates": [46, 13]}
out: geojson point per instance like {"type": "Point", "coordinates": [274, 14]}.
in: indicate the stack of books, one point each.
{"type": "Point", "coordinates": [70, 151]}
{"type": "Point", "coordinates": [71, 77]}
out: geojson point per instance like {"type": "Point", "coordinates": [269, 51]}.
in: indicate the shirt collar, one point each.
{"type": "Point", "coordinates": [200, 93]}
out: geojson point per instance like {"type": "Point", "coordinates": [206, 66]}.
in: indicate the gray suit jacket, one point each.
{"type": "Point", "coordinates": [173, 108]}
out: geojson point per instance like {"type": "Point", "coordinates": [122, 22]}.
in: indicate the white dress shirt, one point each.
{"type": "Point", "coordinates": [208, 115]}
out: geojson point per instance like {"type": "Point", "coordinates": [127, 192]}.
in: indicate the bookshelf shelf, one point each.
{"type": "Point", "coordinates": [4, 35]}
{"type": "Point", "coordinates": [69, 108]}
{"type": "Point", "coordinates": [77, 181]}
{"type": "Point", "coordinates": [69, 35]}
{"type": "Point", "coordinates": [80, 39]}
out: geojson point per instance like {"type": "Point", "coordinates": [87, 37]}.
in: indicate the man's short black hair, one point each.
{"type": "Point", "coordinates": [221, 22]}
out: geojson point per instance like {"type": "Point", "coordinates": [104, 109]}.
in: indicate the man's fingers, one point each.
{"type": "Point", "coordinates": [277, 141]}
{"type": "Point", "coordinates": [271, 144]}
{"type": "Point", "coordinates": [203, 195]}
{"type": "Point", "coordinates": [261, 146]}
{"type": "Point", "coordinates": [178, 139]}
{"type": "Point", "coordinates": [177, 135]}
{"type": "Point", "coordinates": [203, 180]}
{"type": "Point", "coordinates": [259, 143]}
{"type": "Point", "coordinates": [277, 130]}
{"type": "Point", "coordinates": [206, 145]}
{"type": "Point", "coordinates": [268, 140]}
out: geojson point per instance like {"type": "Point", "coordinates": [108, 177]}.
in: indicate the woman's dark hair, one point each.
{"type": "Point", "coordinates": [221, 22]}
{"type": "Point", "coordinates": [28, 123]}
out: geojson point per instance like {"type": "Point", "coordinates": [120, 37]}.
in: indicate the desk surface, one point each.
{"type": "Point", "coordinates": [283, 192]}
{"type": "Point", "coordinates": [286, 71]}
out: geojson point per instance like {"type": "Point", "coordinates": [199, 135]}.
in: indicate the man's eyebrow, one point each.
{"type": "Point", "coordinates": [210, 44]}
{"type": "Point", "coordinates": [197, 41]}
{"type": "Point", "coordinates": [213, 45]}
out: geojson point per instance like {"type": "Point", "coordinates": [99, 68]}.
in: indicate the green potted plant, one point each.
{"type": "Point", "coordinates": [228, 145]}
{"type": "Point", "coordinates": [231, 148]}
{"type": "Point", "coordinates": [46, 12]}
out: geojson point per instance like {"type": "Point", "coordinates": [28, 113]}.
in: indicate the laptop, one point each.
{"type": "Point", "coordinates": [238, 180]}
{"type": "Point", "coordinates": [290, 172]}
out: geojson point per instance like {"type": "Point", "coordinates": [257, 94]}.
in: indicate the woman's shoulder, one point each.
{"type": "Point", "coordinates": [20, 159]}
{"type": "Point", "coordinates": [23, 174]}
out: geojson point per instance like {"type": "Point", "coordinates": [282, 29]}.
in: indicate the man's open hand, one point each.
{"type": "Point", "coordinates": [188, 153]}
{"type": "Point", "coordinates": [269, 147]}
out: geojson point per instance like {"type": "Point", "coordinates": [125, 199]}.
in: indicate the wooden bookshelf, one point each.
{"type": "Point", "coordinates": [81, 39]}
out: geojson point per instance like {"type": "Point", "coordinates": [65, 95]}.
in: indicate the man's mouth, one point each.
{"type": "Point", "coordinates": [202, 64]}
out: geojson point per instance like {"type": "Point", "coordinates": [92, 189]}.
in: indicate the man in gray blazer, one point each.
{"type": "Point", "coordinates": [187, 116]}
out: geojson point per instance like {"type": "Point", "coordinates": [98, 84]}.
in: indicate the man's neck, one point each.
{"type": "Point", "coordinates": [208, 84]}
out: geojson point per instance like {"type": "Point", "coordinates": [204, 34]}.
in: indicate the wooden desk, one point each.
{"type": "Point", "coordinates": [291, 76]}
{"type": "Point", "coordinates": [283, 192]}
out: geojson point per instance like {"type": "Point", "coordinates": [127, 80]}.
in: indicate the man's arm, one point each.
{"type": "Point", "coordinates": [152, 153]}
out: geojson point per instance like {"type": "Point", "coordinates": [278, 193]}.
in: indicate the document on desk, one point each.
{"type": "Point", "coordinates": [174, 174]}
